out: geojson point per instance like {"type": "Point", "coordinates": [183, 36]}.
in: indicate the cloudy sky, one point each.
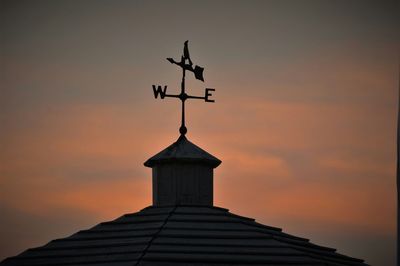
{"type": "Point", "coordinates": [304, 120]}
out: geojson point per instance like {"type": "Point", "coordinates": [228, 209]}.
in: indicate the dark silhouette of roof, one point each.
{"type": "Point", "coordinates": [182, 235]}
{"type": "Point", "coordinates": [183, 151]}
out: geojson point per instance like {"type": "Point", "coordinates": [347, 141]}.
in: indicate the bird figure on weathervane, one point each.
{"type": "Point", "coordinates": [186, 64]}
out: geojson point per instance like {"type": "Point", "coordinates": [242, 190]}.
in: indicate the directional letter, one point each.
{"type": "Point", "coordinates": [160, 91]}
{"type": "Point", "coordinates": [208, 93]}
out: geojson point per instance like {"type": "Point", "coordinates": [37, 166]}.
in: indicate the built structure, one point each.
{"type": "Point", "coordinates": [182, 227]}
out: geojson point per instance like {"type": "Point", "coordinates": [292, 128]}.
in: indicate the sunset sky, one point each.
{"type": "Point", "coordinates": [304, 119]}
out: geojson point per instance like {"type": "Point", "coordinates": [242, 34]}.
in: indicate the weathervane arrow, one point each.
{"type": "Point", "coordinates": [187, 65]}
{"type": "Point", "coordinates": [197, 70]}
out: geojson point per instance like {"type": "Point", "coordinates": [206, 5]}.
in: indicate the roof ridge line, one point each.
{"type": "Point", "coordinates": [155, 236]}
{"type": "Point", "coordinates": [179, 205]}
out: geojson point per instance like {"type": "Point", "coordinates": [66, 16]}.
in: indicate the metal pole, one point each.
{"type": "Point", "coordinates": [183, 96]}
{"type": "Point", "coordinates": [398, 173]}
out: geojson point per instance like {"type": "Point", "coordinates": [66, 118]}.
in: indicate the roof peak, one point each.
{"type": "Point", "coordinates": [184, 151]}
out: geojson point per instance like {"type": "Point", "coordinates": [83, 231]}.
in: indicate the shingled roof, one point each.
{"type": "Point", "coordinates": [183, 150]}
{"type": "Point", "coordinates": [181, 235]}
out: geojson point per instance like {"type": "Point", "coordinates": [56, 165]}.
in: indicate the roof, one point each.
{"type": "Point", "coordinates": [183, 151]}
{"type": "Point", "coordinates": [181, 235]}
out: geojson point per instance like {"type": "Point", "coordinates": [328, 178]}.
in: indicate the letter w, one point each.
{"type": "Point", "coordinates": [160, 91]}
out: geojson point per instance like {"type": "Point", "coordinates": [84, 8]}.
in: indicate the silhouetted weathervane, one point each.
{"type": "Point", "coordinates": [186, 64]}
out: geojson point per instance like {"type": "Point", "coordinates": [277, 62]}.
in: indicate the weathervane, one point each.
{"type": "Point", "coordinates": [186, 64]}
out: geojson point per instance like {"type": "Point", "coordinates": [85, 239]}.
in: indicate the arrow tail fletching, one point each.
{"type": "Point", "coordinates": [198, 72]}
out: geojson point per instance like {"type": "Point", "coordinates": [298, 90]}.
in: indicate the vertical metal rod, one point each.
{"type": "Point", "coordinates": [398, 176]}
{"type": "Point", "coordinates": [183, 95]}
{"type": "Point", "coordinates": [183, 126]}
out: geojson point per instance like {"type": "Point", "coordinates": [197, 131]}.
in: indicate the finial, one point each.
{"type": "Point", "coordinates": [183, 130]}
{"type": "Point", "coordinates": [186, 64]}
